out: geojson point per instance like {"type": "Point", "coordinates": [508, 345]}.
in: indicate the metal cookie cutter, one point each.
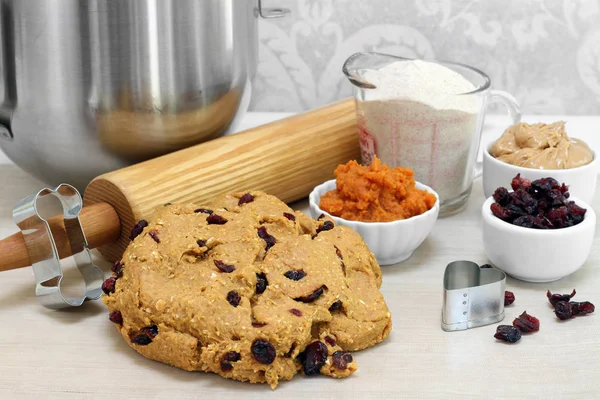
{"type": "Point", "coordinates": [473, 296]}
{"type": "Point", "coordinates": [40, 241]}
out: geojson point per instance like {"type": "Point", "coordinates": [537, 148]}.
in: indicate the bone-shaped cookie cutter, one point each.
{"type": "Point", "coordinates": [473, 296]}
{"type": "Point", "coordinates": [39, 240]}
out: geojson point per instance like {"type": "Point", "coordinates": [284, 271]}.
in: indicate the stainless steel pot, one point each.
{"type": "Point", "coordinates": [91, 86]}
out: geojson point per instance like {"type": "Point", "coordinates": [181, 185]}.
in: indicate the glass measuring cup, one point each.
{"type": "Point", "coordinates": [436, 132]}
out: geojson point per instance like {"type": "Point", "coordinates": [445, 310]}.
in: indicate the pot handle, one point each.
{"type": "Point", "coordinates": [270, 13]}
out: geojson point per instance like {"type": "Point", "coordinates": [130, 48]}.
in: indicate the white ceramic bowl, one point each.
{"type": "Point", "coordinates": [536, 255]}
{"type": "Point", "coordinates": [390, 242]}
{"type": "Point", "coordinates": [581, 180]}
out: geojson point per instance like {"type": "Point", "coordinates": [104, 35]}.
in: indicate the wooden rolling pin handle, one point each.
{"type": "Point", "coordinates": [100, 223]}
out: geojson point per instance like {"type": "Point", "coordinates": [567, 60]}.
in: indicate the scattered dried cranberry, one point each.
{"type": "Point", "coordinates": [247, 198]}
{"type": "Point", "coordinates": [526, 323]}
{"type": "Point", "coordinates": [295, 274]}
{"type": "Point", "coordinates": [330, 341]}
{"type": "Point", "coordinates": [296, 312]}
{"type": "Point", "coordinates": [289, 216]}
{"type": "Point", "coordinates": [138, 229]}
{"type": "Point", "coordinates": [203, 211]}
{"type": "Point", "coordinates": [518, 182]}
{"type": "Point", "coordinates": [313, 296]}
{"type": "Point", "coordinates": [224, 267]}
{"type": "Point", "coordinates": [565, 310]}
{"type": "Point", "coordinates": [215, 219]}
{"type": "Point", "coordinates": [509, 298]}
{"type": "Point", "coordinates": [327, 226]}
{"type": "Point", "coordinates": [116, 317]}
{"type": "Point", "coordinates": [226, 367]}
{"type": "Point", "coordinates": [151, 331]}
{"type": "Point", "coordinates": [263, 351]}
{"type": "Point", "coordinates": [341, 359]}
{"type": "Point", "coordinates": [264, 235]}
{"type": "Point", "coordinates": [141, 340]}
{"type": "Point", "coordinates": [555, 298]}
{"type": "Point", "coordinates": [335, 306]}
{"type": "Point", "coordinates": [314, 357]}
{"type": "Point", "coordinates": [234, 298]}
{"type": "Point", "coordinates": [507, 333]}
{"type": "Point", "coordinates": [154, 236]}
{"type": "Point", "coordinates": [108, 286]}
{"type": "Point", "coordinates": [261, 283]}
{"type": "Point", "coordinates": [201, 243]}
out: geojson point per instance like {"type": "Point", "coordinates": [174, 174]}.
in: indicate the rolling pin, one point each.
{"type": "Point", "coordinates": [286, 158]}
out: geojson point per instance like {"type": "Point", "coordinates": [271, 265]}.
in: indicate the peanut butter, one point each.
{"type": "Point", "coordinates": [541, 146]}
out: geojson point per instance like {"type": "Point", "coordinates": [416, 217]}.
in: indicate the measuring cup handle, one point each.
{"type": "Point", "coordinates": [514, 111]}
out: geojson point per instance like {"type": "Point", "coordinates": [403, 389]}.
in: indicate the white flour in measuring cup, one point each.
{"type": "Point", "coordinates": [415, 118]}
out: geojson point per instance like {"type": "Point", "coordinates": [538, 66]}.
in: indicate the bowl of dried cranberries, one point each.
{"type": "Point", "coordinates": [537, 232]}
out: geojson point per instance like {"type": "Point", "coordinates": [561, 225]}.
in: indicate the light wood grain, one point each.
{"type": "Point", "coordinates": [100, 223]}
{"type": "Point", "coordinates": [79, 354]}
{"type": "Point", "coordinates": [286, 158]}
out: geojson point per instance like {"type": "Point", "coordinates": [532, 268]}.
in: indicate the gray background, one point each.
{"type": "Point", "coordinates": [546, 53]}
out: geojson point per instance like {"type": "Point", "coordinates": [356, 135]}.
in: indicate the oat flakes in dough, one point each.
{"type": "Point", "coordinates": [202, 294]}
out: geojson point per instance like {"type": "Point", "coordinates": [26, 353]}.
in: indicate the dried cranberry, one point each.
{"type": "Point", "coordinates": [320, 217]}
{"type": "Point", "coordinates": [138, 229]}
{"type": "Point", "coordinates": [341, 359]}
{"type": "Point", "coordinates": [226, 367]}
{"type": "Point", "coordinates": [145, 335]}
{"type": "Point", "coordinates": [544, 185]}
{"type": "Point", "coordinates": [215, 219]}
{"type": "Point", "coordinates": [116, 317]}
{"type": "Point", "coordinates": [509, 298]}
{"type": "Point", "coordinates": [117, 268]}
{"type": "Point", "coordinates": [525, 201]}
{"type": "Point", "coordinates": [224, 267]}
{"type": "Point", "coordinates": [247, 198]}
{"type": "Point", "coordinates": [330, 341]}
{"type": "Point", "coordinates": [313, 296]}
{"type": "Point", "coordinates": [327, 226]}
{"type": "Point", "coordinates": [201, 243]}
{"type": "Point", "coordinates": [519, 182]}
{"type": "Point", "coordinates": [335, 306]}
{"type": "Point", "coordinates": [289, 216]}
{"type": "Point", "coordinates": [263, 351]}
{"type": "Point", "coordinates": [296, 312]}
{"type": "Point", "coordinates": [563, 310]}
{"type": "Point", "coordinates": [234, 298]}
{"type": "Point", "coordinates": [501, 196]}
{"type": "Point", "coordinates": [527, 323]}
{"type": "Point", "coordinates": [258, 324]}
{"type": "Point", "coordinates": [314, 357]}
{"type": "Point", "coordinates": [261, 283]}
{"type": "Point", "coordinates": [582, 308]}
{"type": "Point", "coordinates": [108, 286]}
{"type": "Point", "coordinates": [203, 211]}
{"type": "Point", "coordinates": [295, 274]}
{"type": "Point", "coordinates": [264, 235]}
{"type": "Point", "coordinates": [555, 298]}
{"type": "Point", "coordinates": [232, 356]}
{"type": "Point", "coordinates": [154, 236]}
{"type": "Point", "coordinates": [507, 333]}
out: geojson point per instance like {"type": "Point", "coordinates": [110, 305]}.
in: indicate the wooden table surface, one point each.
{"type": "Point", "coordinates": [78, 354]}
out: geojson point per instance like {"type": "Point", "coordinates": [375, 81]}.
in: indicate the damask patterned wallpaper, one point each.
{"type": "Point", "coordinates": [546, 53]}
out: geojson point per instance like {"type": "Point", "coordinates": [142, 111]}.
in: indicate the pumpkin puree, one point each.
{"type": "Point", "coordinates": [376, 193]}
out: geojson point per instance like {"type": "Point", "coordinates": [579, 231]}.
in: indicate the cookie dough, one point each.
{"type": "Point", "coordinates": [541, 146]}
{"type": "Point", "coordinates": [248, 289]}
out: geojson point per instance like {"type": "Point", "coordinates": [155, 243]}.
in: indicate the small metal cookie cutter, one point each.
{"type": "Point", "coordinates": [473, 296]}
{"type": "Point", "coordinates": [40, 241]}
